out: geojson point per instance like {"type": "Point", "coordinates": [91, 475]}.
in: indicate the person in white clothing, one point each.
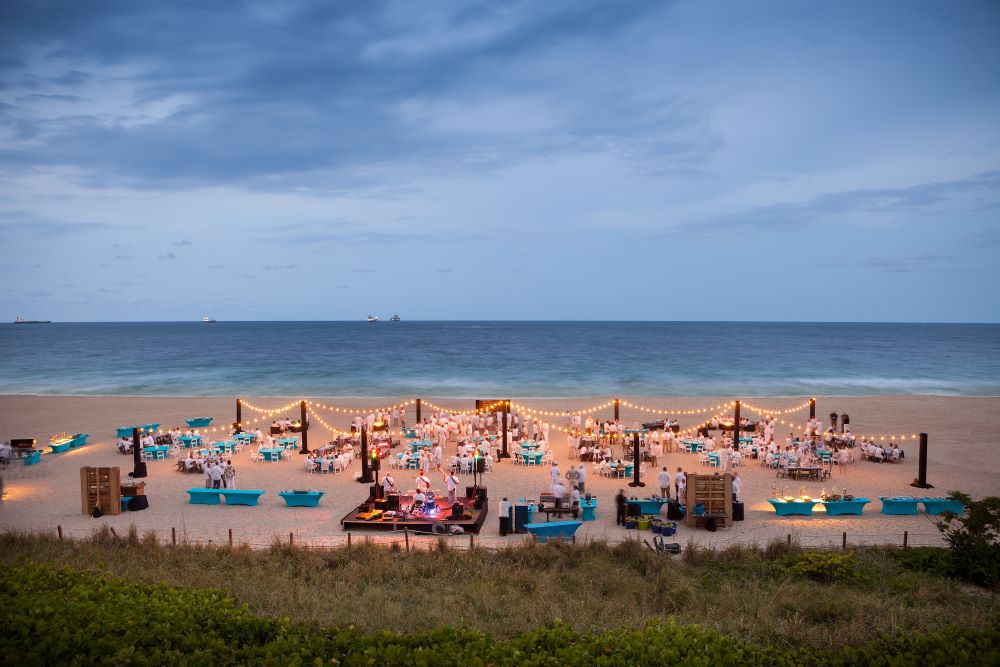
{"type": "Point", "coordinates": [581, 477]}
{"type": "Point", "coordinates": [680, 484]}
{"type": "Point", "coordinates": [452, 483]}
{"type": "Point", "coordinates": [737, 488]}
{"type": "Point", "coordinates": [664, 483]}
{"type": "Point", "coordinates": [555, 473]}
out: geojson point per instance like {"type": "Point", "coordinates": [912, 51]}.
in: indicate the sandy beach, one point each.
{"type": "Point", "coordinates": [962, 456]}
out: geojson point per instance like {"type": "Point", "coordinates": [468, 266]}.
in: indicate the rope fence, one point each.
{"type": "Point", "coordinates": [406, 540]}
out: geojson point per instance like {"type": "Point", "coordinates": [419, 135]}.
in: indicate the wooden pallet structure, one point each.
{"type": "Point", "coordinates": [715, 494]}
{"type": "Point", "coordinates": [101, 487]}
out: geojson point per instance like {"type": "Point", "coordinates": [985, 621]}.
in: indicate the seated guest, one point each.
{"type": "Point", "coordinates": [188, 463]}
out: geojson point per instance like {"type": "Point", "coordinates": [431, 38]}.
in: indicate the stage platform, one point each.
{"type": "Point", "coordinates": [421, 522]}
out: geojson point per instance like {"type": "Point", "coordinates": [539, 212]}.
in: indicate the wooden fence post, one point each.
{"type": "Point", "coordinates": [230, 538]}
{"type": "Point", "coordinates": [348, 540]}
{"type": "Point", "coordinates": [843, 544]}
{"type": "Point", "coordinates": [906, 538]}
{"type": "Point", "coordinates": [291, 539]}
{"type": "Point", "coordinates": [472, 544]}
{"type": "Point", "coordinates": [173, 536]}
{"type": "Point", "coordinates": [59, 530]}
{"type": "Point", "coordinates": [789, 539]}
{"type": "Point", "coordinates": [406, 536]}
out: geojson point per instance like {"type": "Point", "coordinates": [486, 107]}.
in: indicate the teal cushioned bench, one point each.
{"type": "Point", "coordinates": [241, 496]}
{"type": "Point", "coordinates": [556, 530]}
{"type": "Point", "coordinates": [201, 496]}
{"type": "Point", "coordinates": [302, 499]}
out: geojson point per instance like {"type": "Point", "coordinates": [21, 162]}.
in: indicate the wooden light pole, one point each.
{"type": "Point", "coordinates": [418, 410]}
{"type": "Point", "coordinates": [921, 481]}
{"type": "Point", "coordinates": [635, 462]}
{"type": "Point", "coordinates": [239, 416]}
{"type": "Point", "coordinates": [736, 423]}
{"type": "Point", "coordinates": [139, 466]}
{"type": "Point", "coordinates": [305, 429]}
{"type": "Point", "coordinates": [616, 409]}
{"type": "Point", "coordinates": [812, 408]}
{"type": "Point", "coordinates": [504, 454]}
{"type": "Point", "coordinates": [366, 472]}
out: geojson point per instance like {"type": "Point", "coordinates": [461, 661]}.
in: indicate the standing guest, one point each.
{"type": "Point", "coordinates": [558, 490]}
{"type": "Point", "coordinates": [207, 469]}
{"type": "Point", "coordinates": [505, 511]}
{"type": "Point", "coordinates": [423, 482]}
{"type": "Point", "coordinates": [555, 473]}
{"type": "Point", "coordinates": [229, 475]}
{"type": "Point", "coordinates": [452, 483]}
{"type": "Point", "coordinates": [388, 484]}
{"type": "Point", "coordinates": [581, 478]}
{"type": "Point", "coordinates": [737, 487]}
{"type": "Point", "coordinates": [665, 483]}
{"type": "Point", "coordinates": [215, 473]}
{"type": "Point", "coordinates": [572, 476]}
{"type": "Point", "coordinates": [680, 484]}
{"type": "Point", "coordinates": [620, 507]}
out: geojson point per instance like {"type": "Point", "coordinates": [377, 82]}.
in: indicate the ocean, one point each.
{"type": "Point", "coordinates": [492, 359]}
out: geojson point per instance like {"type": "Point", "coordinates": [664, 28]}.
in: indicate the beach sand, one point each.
{"type": "Point", "coordinates": [963, 434]}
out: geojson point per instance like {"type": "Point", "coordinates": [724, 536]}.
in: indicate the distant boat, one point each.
{"type": "Point", "coordinates": [207, 319]}
{"type": "Point", "coordinates": [394, 318]}
{"type": "Point", "coordinates": [372, 319]}
{"type": "Point", "coordinates": [21, 320]}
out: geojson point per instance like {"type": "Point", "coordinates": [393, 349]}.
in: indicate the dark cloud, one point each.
{"type": "Point", "coordinates": [25, 222]}
{"type": "Point", "coordinates": [167, 256]}
{"type": "Point", "coordinates": [855, 205]}
{"type": "Point", "coordinates": [183, 243]}
{"type": "Point", "coordinates": [275, 93]}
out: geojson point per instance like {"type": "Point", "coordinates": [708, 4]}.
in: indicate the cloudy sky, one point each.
{"type": "Point", "coordinates": [500, 160]}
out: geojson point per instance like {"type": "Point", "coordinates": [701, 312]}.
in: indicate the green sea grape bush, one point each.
{"type": "Point", "coordinates": [823, 566]}
{"type": "Point", "coordinates": [60, 616]}
{"type": "Point", "coordinates": [974, 539]}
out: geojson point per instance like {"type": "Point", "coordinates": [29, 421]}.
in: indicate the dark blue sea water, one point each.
{"type": "Point", "coordinates": [484, 359]}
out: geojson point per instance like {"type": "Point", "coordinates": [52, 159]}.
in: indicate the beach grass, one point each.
{"type": "Point", "coordinates": [774, 595]}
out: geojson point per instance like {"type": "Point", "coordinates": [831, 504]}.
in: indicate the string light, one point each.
{"type": "Point", "coordinates": [333, 429]}
{"type": "Point", "coordinates": [267, 411]}
{"type": "Point", "coordinates": [658, 411]}
{"type": "Point", "coordinates": [784, 411]}
{"type": "Point", "coordinates": [355, 411]}
{"type": "Point", "coordinates": [551, 413]}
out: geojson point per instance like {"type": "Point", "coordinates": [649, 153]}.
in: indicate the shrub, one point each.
{"type": "Point", "coordinates": [822, 566]}
{"type": "Point", "coordinates": [974, 539]}
{"type": "Point", "coordinates": [59, 616]}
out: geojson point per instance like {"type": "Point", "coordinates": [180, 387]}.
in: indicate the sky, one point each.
{"type": "Point", "coordinates": [320, 160]}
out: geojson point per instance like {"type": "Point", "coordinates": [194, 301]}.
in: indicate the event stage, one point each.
{"type": "Point", "coordinates": [375, 515]}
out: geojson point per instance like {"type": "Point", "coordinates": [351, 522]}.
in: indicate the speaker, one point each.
{"type": "Point", "coordinates": [138, 503]}
{"type": "Point", "coordinates": [392, 502]}
{"type": "Point", "coordinates": [457, 511]}
{"type": "Point", "coordinates": [382, 505]}
{"type": "Point", "coordinates": [480, 465]}
{"type": "Point", "coordinates": [375, 464]}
